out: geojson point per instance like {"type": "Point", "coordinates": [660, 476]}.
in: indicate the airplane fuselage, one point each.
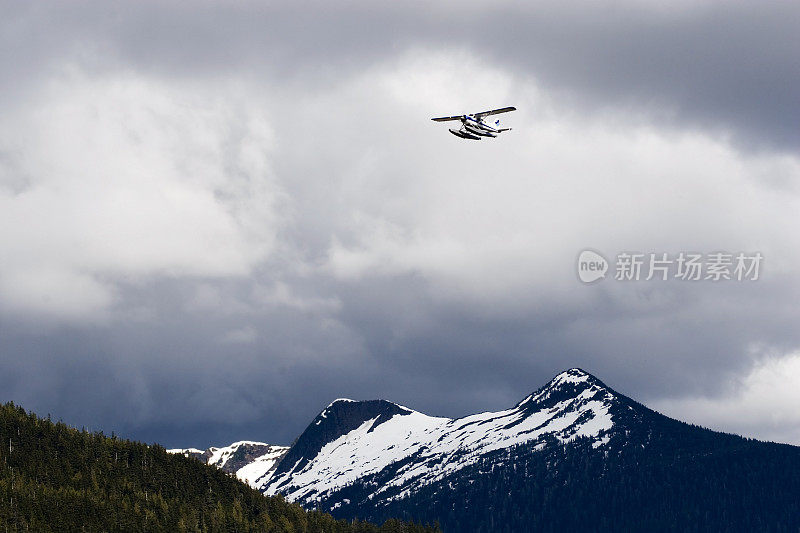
{"type": "Point", "coordinates": [478, 127]}
{"type": "Point", "coordinates": [473, 128]}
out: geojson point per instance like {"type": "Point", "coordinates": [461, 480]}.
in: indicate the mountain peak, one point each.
{"type": "Point", "coordinates": [340, 417]}
{"type": "Point", "coordinates": [340, 400]}
{"type": "Point", "coordinates": [568, 384]}
{"type": "Point", "coordinates": [347, 411]}
{"type": "Point", "coordinates": [574, 374]}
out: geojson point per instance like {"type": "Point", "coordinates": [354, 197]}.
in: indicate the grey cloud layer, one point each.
{"type": "Point", "coordinates": [731, 67]}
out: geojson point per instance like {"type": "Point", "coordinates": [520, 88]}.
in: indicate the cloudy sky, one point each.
{"type": "Point", "coordinates": [215, 219]}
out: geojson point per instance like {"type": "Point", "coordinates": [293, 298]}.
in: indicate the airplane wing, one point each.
{"type": "Point", "coordinates": [494, 112]}
{"type": "Point", "coordinates": [445, 119]}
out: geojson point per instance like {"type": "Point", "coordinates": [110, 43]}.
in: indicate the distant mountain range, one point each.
{"type": "Point", "coordinates": [573, 456]}
{"type": "Point", "coordinates": [249, 460]}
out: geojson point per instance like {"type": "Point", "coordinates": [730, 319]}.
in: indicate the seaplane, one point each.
{"type": "Point", "coordinates": [474, 127]}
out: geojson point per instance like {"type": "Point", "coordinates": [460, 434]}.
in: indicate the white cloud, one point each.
{"type": "Point", "coordinates": [123, 176]}
{"type": "Point", "coordinates": [762, 404]}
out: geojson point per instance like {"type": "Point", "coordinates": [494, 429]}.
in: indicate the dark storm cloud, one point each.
{"type": "Point", "coordinates": [173, 382]}
{"type": "Point", "coordinates": [729, 67]}
{"type": "Point", "coordinates": [176, 379]}
{"type": "Point", "coordinates": [492, 362]}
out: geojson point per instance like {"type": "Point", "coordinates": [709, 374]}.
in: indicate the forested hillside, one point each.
{"type": "Point", "coordinates": [56, 478]}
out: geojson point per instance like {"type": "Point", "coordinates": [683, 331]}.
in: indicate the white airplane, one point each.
{"type": "Point", "coordinates": [473, 127]}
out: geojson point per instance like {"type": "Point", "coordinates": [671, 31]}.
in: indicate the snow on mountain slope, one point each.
{"type": "Point", "coordinates": [188, 452]}
{"type": "Point", "coordinates": [262, 465]}
{"type": "Point", "coordinates": [249, 460]}
{"type": "Point", "coordinates": [351, 441]}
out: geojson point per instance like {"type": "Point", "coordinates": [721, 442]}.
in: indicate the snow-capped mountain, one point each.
{"type": "Point", "coordinates": [573, 456]}
{"type": "Point", "coordinates": [249, 460]}
{"type": "Point", "coordinates": [351, 441]}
